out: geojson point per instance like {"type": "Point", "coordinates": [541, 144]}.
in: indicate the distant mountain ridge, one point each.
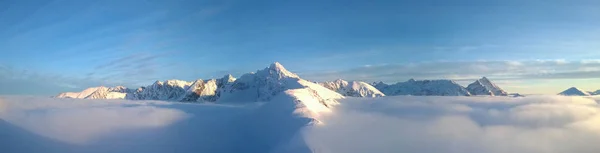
{"type": "Point", "coordinates": [352, 88]}
{"type": "Point", "coordinates": [265, 84]}
{"type": "Point", "coordinates": [423, 88]}
{"type": "Point", "coordinates": [414, 87]}
{"type": "Point", "coordinates": [574, 91]}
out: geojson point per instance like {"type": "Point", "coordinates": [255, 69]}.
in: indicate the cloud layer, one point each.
{"type": "Point", "coordinates": [80, 122]}
{"type": "Point", "coordinates": [460, 124]}
{"type": "Point", "coordinates": [534, 124]}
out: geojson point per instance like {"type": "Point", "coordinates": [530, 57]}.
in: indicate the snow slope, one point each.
{"type": "Point", "coordinates": [352, 88]}
{"type": "Point", "coordinates": [423, 88]}
{"type": "Point", "coordinates": [573, 91]}
{"type": "Point", "coordinates": [484, 86]}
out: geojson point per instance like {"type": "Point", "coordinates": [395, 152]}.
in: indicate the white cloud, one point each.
{"type": "Point", "coordinates": [590, 61]}
{"type": "Point", "coordinates": [83, 121]}
{"type": "Point", "coordinates": [460, 124]}
{"type": "Point", "coordinates": [534, 124]}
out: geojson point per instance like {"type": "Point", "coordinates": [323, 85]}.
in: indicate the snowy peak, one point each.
{"type": "Point", "coordinates": [201, 91]}
{"type": "Point", "coordinates": [277, 66]}
{"type": "Point", "coordinates": [573, 91]}
{"type": "Point", "coordinates": [278, 71]}
{"type": "Point", "coordinates": [484, 79]}
{"type": "Point", "coordinates": [178, 83]}
{"type": "Point", "coordinates": [484, 86]}
{"type": "Point", "coordinates": [353, 88]}
{"type": "Point", "coordinates": [262, 85]}
{"type": "Point", "coordinates": [227, 79]}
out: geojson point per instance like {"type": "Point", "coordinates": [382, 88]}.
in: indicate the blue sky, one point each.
{"type": "Point", "coordinates": [531, 46]}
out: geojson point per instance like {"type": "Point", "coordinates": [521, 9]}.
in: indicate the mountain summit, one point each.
{"type": "Point", "coordinates": [574, 91]}
{"type": "Point", "coordinates": [278, 71]}
{"type": "Point", "coordinates": [484, 86]}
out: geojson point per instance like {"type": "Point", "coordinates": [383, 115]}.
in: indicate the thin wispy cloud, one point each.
{"type": "Point", "coordinates": [137, 68]}
{"type": "Point", "coordinates": [549, 124]}
{"type": "Point", "coordinates": [461, 70]}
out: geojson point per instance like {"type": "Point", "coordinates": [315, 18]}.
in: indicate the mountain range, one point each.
{"type": "Point", "coordinates": [353, 88]}
{"type": "Point", "coordinates": [574, 91]}
{"type": "Point", "coordinates": [266, 84]}
{"type": "Point", "coordinates": [413, 87]}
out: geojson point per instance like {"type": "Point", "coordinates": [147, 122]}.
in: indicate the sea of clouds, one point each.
{"type": "Point", "coordinates": [533, 124]}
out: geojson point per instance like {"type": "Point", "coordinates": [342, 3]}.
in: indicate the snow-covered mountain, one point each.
{"type": "Point", "coordinates": [101, 92]}
{"type": "Point", "coordinates": [274, 82]}
{"type": "Point", "coordinates": [284, 92]}
{"type": "Point", "coordinates": [264, 85]}
{"type": "Point", "coordinates": [423, 88]}
{"type": "Point", "coordinates": [352, 88]}
{"type": "Point", "coordinates": [573, 91]}
{"type": "Point", "coordinates": [484, 86]}
{"type": "Point", "coordinates": [170, 90]}
{"type": "Point", "coordinates": [287, 96]}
